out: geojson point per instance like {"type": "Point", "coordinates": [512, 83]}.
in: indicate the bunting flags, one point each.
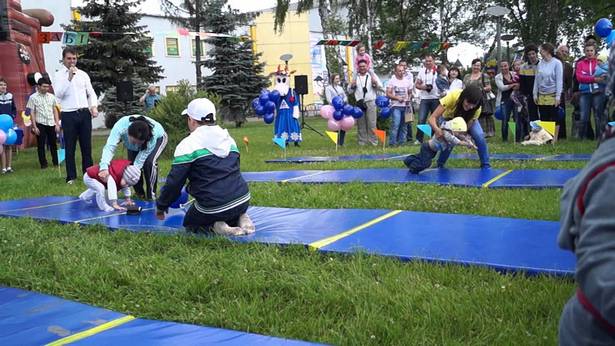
{"type": "Point", "coordinates": [416, 45]}
{"type": "Point", "coordinates": [425, 128]}
{"type": "Point", "coordinates": [332, 135]}
{"type": "Point", "coordinates": [349, 43]}
{"type": "Point", "coordinates": [78, 38]}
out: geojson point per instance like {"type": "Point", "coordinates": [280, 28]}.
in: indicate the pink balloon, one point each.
{"type": "Point", "coordinates": [333, 125]}
{"type": "Point", "coordinates": [2, 137]}
{"type": "Point", "coordinates": [326, 111]}
{"type": "Point", "coordinates": [347, 123]}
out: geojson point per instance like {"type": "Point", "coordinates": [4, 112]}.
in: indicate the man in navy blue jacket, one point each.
{"type": "Point", "coordinates": [209, 159]}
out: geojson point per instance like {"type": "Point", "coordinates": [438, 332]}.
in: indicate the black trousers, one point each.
{"type": "Point", "coordinates": [77, 126]}
{"type": "Point", "coordinates": [422, 160]}
{"type": "Point", "coordinates": [150, 169]}
{"type": "Point", "coordinates": [532, 108]}
{"type": "Point", "coordinates": [46, 138]}
{"type": "Point", "coordinates": [548, 113]}
{"type": "Point", "coordinates": [195, 221]}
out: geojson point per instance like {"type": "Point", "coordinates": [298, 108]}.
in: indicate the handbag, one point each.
{"type": "Point", "coordinates": [408, 115]}
{"type": "Point", "coordinates": [488, 107]}
{"type": "Point", "coordinates": [361, 102]}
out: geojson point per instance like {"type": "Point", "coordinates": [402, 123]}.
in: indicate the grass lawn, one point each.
{"type": "Point", "coordinates": [290, 291]}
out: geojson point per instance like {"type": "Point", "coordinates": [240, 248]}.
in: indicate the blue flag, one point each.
{"type": "Point", "coordinates": [61, 155]}
{"type": "Point", "coordinates": [281, 142]}
{"type": "Point", "coordinates": [425, 128]}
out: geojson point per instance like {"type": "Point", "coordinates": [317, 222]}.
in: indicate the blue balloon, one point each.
{"type": "Point", "coordinates": [382, 101]}
{"type": "Point", "coordinates": [268, 118]}
{"type": "Point", "coordinates": [610, 39]}
{"type": "Point", "coordinates": [274, 96]}
{"type": "Point", "coordinates": [338, 103]}
{"type": "Point", "coordinates": [255, 103]}
{"type": "Point", "coordinates": [603, 27]}
{"type": "Point", "coordinates": [499, 114]}
{"type": "Point", "coordinates": [182, 199]}
{"type": "Point", "coordinates": [263, 99]}
{"type": "Point", "coordinates": [6, 122]}
{"type": "Point", "coordinates": [338, 115]}
{"type": "Point", "coordinates": [347, 110]}
{"type": "Point", "coordinates": [357, 112]}
{"type": "Point", "coordinates": [269, 107]}
{"type": "Point", "coordinates": [385, 112]}
{"type": "Point", "coordinates": [260, 110]}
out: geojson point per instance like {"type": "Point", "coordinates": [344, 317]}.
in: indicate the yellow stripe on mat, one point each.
{"type": "Point", "coordinates": [42, 206]}
{"type": "Point", "coordinates": [326, 241]}
{"type": "Point", "coordinates": [500, 176]}
{"type": "Point", "coordinates": [92, 331]}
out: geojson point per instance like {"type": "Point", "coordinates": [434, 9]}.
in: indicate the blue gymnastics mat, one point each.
{"type": "Point", "coordinates": [503, 244]}
{"type": "Point", "coordinates": [500, 243]}
{"type": "Point", "coordinates": [466, 177]}
{"type": "Point", "coordinates": [388, 157]}
{"type": "Point", "coordinates": [29, 318]}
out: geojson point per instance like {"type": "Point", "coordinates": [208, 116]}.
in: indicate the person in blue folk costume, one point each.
{"type": "Point", "coordinates": [286, 124]}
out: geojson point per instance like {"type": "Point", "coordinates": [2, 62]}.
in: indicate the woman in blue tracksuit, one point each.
{"type": "Point", "coordinates": [145, 140]}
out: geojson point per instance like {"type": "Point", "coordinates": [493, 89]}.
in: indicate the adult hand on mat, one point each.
{"type": "Point", "coordinates": [160, 214]}
{"type": "Point", "coordinates": [104, 174]}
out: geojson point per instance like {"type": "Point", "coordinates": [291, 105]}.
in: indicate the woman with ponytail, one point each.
{"type": "Point", "coordinates": [466, 104]}
{"type": "Point", "coordinates": [145, 139]}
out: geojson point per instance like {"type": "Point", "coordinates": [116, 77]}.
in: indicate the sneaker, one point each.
{"type": "Point", "coordinates": [416, 142]}
{"type": "Point", "coordinates": [221, 228]}
{"type": "Point", "coordinates": [9, 170]}
{"type": "Point", "coordinates": [3, 170]}
{"type": "Point", "coordinates": [246, 224]}
{"type": "Point", "coordinates": [70, 182]}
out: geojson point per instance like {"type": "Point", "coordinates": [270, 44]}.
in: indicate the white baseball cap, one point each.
{"type": "Point", "coordinates": [201, 110]}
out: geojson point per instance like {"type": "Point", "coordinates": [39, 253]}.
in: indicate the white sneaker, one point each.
{"type": "Point", "coordinates": [221, 228]}
{"type": "Point", "coordinates": [84, 197]}
{"type": "Point", "coordinates": [246, 224]}
{"type": "Point", "coordinates": [416, 143]}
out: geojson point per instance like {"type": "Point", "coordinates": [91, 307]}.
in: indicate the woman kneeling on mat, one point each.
{"type": "Point", "coordinates": [209, 159]}
{"type": "Point", "coordinates": [464, 103]}
{"type": "Point", "coordinates": [145, 140]}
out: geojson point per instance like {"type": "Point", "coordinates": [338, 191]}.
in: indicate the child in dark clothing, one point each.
{"type": "Point", "coordinates": [7, 106]}
{"type": "Point", "coordinates": [209, 159]}
{"type": "Point", "coordinates": [454, 134]}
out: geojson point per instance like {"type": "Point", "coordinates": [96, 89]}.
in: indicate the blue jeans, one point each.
{"type": "Point", "coordinates": [597, 102]}
{"type": "Point", "coordinates": [397, 132]}
{"type": "Point", "coordinates": [479, 139]}
{"type": "Point", "coordinates": [508, 106]}
{"type": "Point", "coordinates": [427, 106]}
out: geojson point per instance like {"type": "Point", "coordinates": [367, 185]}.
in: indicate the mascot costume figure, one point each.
{"type": "Point", "coordinates": [286, 124]}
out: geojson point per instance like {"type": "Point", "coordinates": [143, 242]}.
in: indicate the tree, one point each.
{"type": "Point", "coordinates": [119, 52]}
{"type": "Point", "coordinates": [237, 75]}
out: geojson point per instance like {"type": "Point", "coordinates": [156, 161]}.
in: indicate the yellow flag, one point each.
{"type": "Point", "coordinates": [332, 135]}
{"type": "Point", "coordinates": [549, 126]}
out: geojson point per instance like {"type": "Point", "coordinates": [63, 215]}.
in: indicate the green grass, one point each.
{"type": "Point", "coordinates": [290, 291]}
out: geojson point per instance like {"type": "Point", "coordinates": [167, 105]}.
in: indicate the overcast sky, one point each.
{"type": "Point", "coordinates": [153, 6]}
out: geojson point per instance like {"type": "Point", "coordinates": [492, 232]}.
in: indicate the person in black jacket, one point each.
{"type": "Point", "coordinates": [209, 159]}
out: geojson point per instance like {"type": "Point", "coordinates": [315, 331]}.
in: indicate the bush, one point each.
{"type": "Point", "coordinates": [168, 112]}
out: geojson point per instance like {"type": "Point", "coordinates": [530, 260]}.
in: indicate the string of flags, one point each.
{"type": "Point", "coordinates": [79, 38]}
{"type": "Point", "coordinates": [398, 45]}
{"type": "Point", "coordinates": [349, 43]}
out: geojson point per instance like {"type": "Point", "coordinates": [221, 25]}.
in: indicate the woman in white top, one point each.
{"type": "Point", "coordinates": [453, 79]}
{"type": "Point", "coordinates": [332, 90]}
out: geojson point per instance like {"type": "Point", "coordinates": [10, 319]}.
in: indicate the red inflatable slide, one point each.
{"type": "Point", "coordinates": [20, 52]}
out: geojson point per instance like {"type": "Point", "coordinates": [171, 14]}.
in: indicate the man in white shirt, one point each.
{"type": "Point", "coordinates": [428, 92]}
{"type": "Point", "coordinates": [413, 96]}
{"type": "Point", "coordinates": [364, 86]}
{"type": "Point", "coordinates": [79, 105]}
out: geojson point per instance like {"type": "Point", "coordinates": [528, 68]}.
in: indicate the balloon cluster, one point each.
{"type": "Point", "coordinates": [604, 29]}
{"type": "Point", "coordinates": [383, 103]}
{"type": "Point", "coordinates": [265, 104]}
{"type": "Point", "coordinates": [8, 136]}
{"type": "Point", "coordinates": [341, 115]}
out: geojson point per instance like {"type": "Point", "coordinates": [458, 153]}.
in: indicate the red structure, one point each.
{"type": "Point", "coordinates": [20, 52]}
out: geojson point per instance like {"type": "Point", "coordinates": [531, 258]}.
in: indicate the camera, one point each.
{"type": "Point", "coordinates": [428, 87]}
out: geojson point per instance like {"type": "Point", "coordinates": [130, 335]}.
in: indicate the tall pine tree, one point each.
{"type": "Point", "coordinates": [237, 75]}
{"type": "Point", "coordinates": [119, 52]}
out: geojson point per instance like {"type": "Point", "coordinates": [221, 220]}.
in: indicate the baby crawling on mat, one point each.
{"type": "Point", "coordinates": [455, 133]}
{"type": "Point", "coordinates": [122, 174]}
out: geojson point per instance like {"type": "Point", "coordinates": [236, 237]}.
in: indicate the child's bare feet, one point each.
{"type": "Point", "coordinates": [246, 224]}
{"type": "Point", "coordinates": [222, 228]}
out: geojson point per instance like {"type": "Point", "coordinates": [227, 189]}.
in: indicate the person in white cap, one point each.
{"type": "Point", "coordinates": [122, 174]}
{"type": "Point", "coordinates": [209, 160]}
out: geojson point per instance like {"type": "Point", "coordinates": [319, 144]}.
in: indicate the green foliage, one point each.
{"type": "Point", "coordinates": [169, 109]}
{"type": "Point", "coordinates": [120, 53]}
